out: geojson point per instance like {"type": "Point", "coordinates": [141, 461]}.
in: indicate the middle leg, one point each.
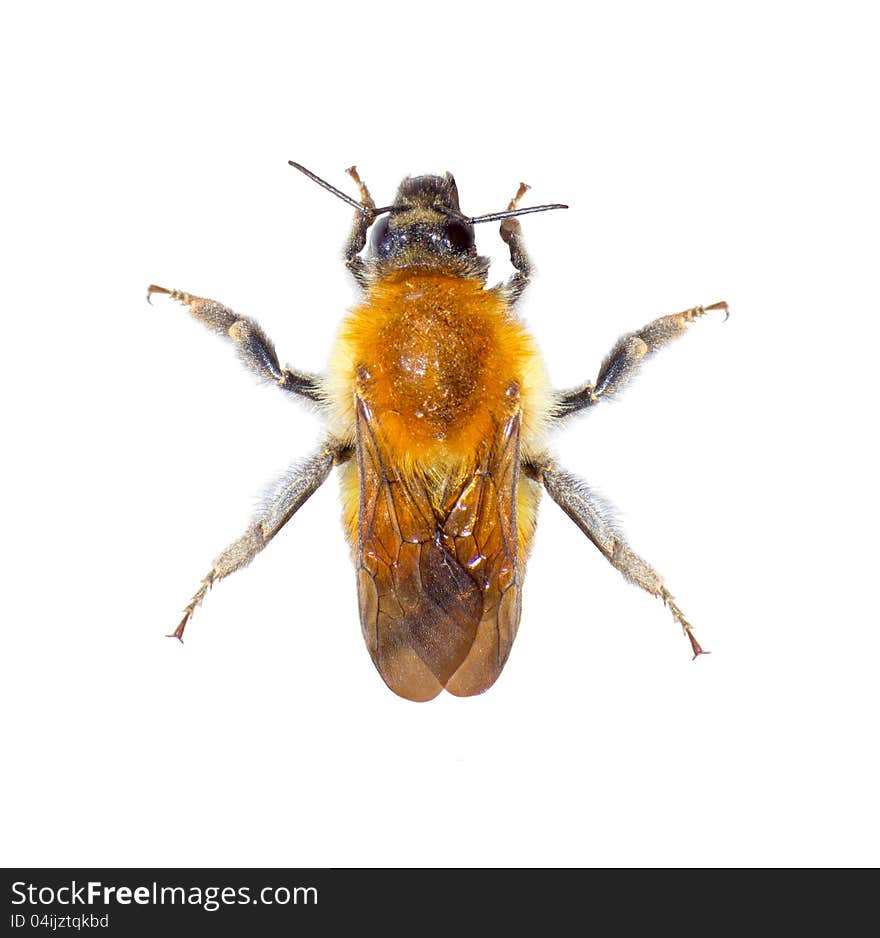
{"type": "Point", "coordinates": [254, 348]}
{"type": "Point", "coordinates": [622, 363]}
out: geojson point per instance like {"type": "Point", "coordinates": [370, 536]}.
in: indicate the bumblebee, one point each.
{"type": "Point", "coordinates": [438, 410]}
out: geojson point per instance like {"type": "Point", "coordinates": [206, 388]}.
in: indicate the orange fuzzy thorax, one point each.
{"type": "Point", "coordinates": [441, 362]}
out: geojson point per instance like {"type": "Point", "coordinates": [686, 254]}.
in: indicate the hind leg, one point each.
{"type": "Point", "coordinates": [575, 498]}
{"type": "Point", "coordinates": [289, 494]}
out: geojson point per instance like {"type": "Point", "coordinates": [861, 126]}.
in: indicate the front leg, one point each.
{"type": "Point", "coordinates": [578, 502]}
{"type": "Point", "coordinates": [621, 365]}
{"type": "Point", "coordinates": [511, 234]}
{"type": "Point", "coordinates": [253, 346]}
{"type": "Point", "coordinates": [357, 237]}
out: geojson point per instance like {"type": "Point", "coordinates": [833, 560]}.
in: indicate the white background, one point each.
{"type": "Point", "coordinates": [707, 152]}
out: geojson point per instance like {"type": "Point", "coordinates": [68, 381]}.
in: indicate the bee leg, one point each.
{"type": "Point", "coordinates": [622, 363]}
{"type": "Point", "coordinates": [253, 346]}
{"type": "Point", "coordinates": [285, 498]}
{"type": "Point", "coordinates": [358, 235]}
{"type": "Point", "coordinates": [511, 234]}
{"type": "Point", "coordinates": [588, 512]}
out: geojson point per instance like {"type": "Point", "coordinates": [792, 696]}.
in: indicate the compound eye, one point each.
{"type": "Point", "coordinates": [459, 235]}
{"type": "Point", "coordinates": [379, 239]}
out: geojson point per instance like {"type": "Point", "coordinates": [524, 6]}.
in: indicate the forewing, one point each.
{"type": "Point", "coordinates": [483, 527]}
{"type": "Point", "coordinates": [438, 578]}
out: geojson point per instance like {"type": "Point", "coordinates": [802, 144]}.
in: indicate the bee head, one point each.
{"type": "Point", "coordinates": [425, 225]}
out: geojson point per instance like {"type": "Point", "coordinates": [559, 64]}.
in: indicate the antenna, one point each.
{"type": "Point", "coordinates": [495, 216]}
{"type": "Point", "coordinates": [371, 213]}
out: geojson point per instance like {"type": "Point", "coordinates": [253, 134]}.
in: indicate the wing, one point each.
{"type": "Point", "coordinates": [438, 570]}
